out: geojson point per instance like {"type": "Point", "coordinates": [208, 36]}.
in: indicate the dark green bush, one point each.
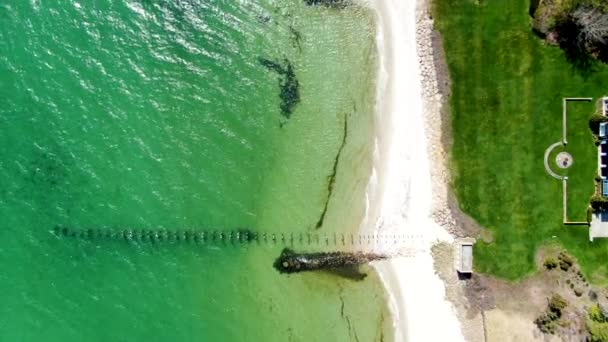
{"type": "Point", "coordinates": [594, 122]}
{"type": "Point", "coordinates": [597, 314]}
{"type": "Point", "coordinates": [547, 322]}
{"type": "Point", "coordinates": [550, 320]}
{"type": "Point", "coordinates": [577, 26]}
{"type": "Point", "coordinates": [557, 303]}
{"type": "Point", "coordinates": [598, 331]}
{"type": "Point", "coordinates": [597, 324]}
{"type": "Point", "coordinates": [550, 263]}
{"type": "Point", "coordinates": [598, 118]}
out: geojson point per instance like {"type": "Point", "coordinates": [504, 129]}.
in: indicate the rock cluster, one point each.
{"type": "Point", "coordinates": [341, 263]}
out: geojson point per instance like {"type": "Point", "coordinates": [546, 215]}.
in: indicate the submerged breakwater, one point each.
{"type": "Point", "coordinates": [232, 237]}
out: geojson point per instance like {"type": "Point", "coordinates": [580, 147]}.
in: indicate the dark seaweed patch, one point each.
{"type": "Point", "coordinates": [331, 179]}
{"type": "Point", "coordinates": [263, 18]}
{"type": "Point", "coordinates": [271, 65]}
{"type": "Point", "coordinates": [47, 170]}
{"type": "Point", "coordinates": [50, 180]}
{"type": "Point", "coordinates": [352, 333]}
{"type": "Point", "coordinates": [327, 3]}
{"type": "Point", "coordinates": [290, 93]}
{"type": "Point", "coordinates": [288, 83]}
{"type": "Point", "coordinates": [296, 38]}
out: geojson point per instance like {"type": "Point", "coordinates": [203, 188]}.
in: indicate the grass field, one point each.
{"type": "Point", "coordinates": [506, 105]}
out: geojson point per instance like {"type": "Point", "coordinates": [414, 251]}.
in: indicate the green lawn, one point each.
{"type": "Point", "coordinates": [506, 105]}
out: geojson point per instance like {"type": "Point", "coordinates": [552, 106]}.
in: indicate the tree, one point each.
{"type": "Point", "coordinates": [593, 25]}
{"type": "Point", "coordinates": [582, 32]}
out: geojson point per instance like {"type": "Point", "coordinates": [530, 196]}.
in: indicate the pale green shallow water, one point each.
{"type": "Point", "coordinates": [158, 114]}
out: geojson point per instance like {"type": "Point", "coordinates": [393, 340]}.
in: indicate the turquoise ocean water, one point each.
{"type": "Point", "coordinates": [181, 115]}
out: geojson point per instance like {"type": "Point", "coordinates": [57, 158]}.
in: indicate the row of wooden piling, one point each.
{"type": "Point", "coordinates": [240, 236]}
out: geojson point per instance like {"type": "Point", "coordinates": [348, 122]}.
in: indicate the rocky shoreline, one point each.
{"type": "Point", "coordinates": [435, 95]}
{"type": "Point", "coordinates": [436, 87]}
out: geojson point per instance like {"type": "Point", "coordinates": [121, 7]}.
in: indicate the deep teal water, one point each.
{"type": "Point", "coordinates": [158, 114]}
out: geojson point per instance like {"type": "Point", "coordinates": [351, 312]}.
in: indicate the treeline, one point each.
{"type": "Point", "coordinates": [579, 27]}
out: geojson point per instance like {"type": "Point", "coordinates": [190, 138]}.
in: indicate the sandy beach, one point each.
{"type": "Point", "coordinates": [402, 194]}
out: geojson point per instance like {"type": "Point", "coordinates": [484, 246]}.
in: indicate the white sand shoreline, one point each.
{"type": "Point", "coordinates": [400, 191]}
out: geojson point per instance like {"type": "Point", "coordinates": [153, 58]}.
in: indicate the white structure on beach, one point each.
{"type": "Point", "coordinates": [463, 255]}
{"type": "Point", "coordinates": [599, 225]}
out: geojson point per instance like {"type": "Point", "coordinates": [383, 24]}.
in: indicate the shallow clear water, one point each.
{"type": "Point", "coordinates": [159, 114]}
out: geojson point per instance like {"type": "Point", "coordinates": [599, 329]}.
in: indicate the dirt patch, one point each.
{"type": "Point", "coordinates": [529, 298]}
{"type": "Point", "coordinates": [479, 294]}
{"type": "Point", "coordinates": [496, 310]}
{"type": "Point", "coordinates": [511, 326]}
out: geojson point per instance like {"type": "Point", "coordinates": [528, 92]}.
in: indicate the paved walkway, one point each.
{"type": "Point", "coordinates": [547, 153]}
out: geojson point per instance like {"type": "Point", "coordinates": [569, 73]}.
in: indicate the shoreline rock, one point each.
{"type": "Point", "coordinates": [292, 262]}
